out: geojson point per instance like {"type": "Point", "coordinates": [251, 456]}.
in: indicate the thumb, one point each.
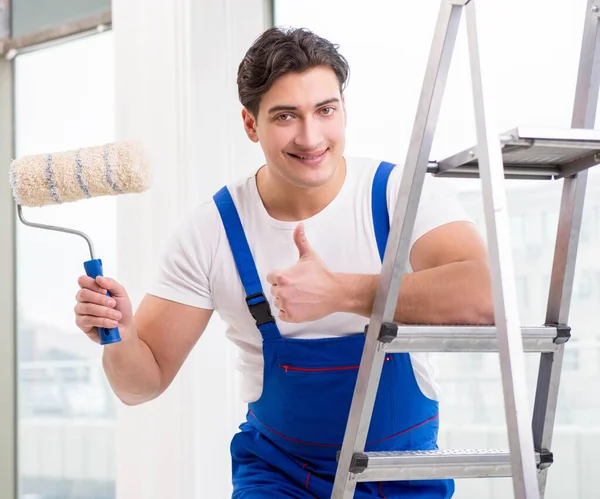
{"type": "Point", "coordinates": [113, 286]}
{"type": "Point", "coordinates": [301, 241]}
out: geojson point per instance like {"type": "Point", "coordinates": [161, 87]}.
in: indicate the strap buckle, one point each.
{"type": "Point", "coordinates": [261, 311]}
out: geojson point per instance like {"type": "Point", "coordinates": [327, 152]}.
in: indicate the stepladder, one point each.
{"type": "Point", "coordinates": [561, 154]}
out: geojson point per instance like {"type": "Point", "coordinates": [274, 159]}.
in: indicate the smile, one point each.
{"type": "Point", "coordinates": [308, 157]}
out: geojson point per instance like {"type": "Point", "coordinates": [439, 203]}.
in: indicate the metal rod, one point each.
{"type": "Point", "coordinates": [429, 465]}
{"type": "Point", "coordinates": [506, 312]}
{"type": "Point", "coordinates": [57, 229]}
{"type": "Point", "coordinates": [468, 339]}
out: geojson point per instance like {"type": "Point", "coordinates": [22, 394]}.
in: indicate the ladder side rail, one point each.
{"type": "Point", "coordinates": [567, 241]}
{"type": "Point", "coordinates": [506, 312]}
{"type": "Point", "coordinates": [397, 249]}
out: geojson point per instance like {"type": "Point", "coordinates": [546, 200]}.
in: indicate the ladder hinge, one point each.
{"type": "Point", "coordinates": [546, 459]}
{"type": "Point", "coordinates": [359, 463]}
{"type": "Point", "coordinates": [387, 333]}
{"type": "Point", "coordinates": [563, 333]}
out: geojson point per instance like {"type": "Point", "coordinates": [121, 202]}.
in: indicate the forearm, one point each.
{"type": "Point", "coordinates": [456, 293]}
{"type": "Point", "coordinates": [132, 370]}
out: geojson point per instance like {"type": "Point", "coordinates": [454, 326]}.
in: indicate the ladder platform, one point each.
{"type": "Point", "coordinates": [531, 153]}
{"type": "Point", "coordinates": [471, 339]}
{"type": "Point", "coordinates": [427, 465]}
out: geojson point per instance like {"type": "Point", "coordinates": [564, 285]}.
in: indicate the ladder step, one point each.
{"type": "Point", "coordinates": [531, 153]}
{"type": "Point", "coordinates": [472, 339]}
{"type": "Point", "coordinates": [426, 465]}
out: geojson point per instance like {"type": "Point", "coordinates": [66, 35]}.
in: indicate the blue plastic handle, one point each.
{"type": "Point", "coordinates": [93, 268]}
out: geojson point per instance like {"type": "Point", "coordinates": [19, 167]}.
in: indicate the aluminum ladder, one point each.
{"type": "Point", "coordinates": [522, 153]}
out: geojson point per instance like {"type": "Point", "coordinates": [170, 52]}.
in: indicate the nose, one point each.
{"type": "Point", "coordinates": [309, 135]}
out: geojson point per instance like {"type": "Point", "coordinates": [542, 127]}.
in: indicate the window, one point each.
{"type": "Point", "coordinates": [387, 61]}
{"type": "Point", "coordinates": [522, 291]}
{"type": "Point", "coordinates": [4, 19]}
{"type": "Point", "coordinates": [63, 100]}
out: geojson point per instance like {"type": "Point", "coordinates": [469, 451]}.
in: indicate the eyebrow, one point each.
{"type": "Point", "coordinates": [295, 108]}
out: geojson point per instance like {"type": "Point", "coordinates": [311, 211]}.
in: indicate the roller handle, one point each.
{"type": "Point", "coordinates": [93, 268]}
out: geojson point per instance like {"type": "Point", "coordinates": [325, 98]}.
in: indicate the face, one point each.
{"type": "Point", "coordinates": [301, 127]}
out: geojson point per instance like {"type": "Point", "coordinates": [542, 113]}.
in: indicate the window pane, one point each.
{"type": "Point", "coordinates": [4, 19]}
{"type": "Point", "coordinates": [30, 16]}
{"type": "Point", "coordinates": [387, 60]}
{"type": "Point", "coordinates": [64, 99]}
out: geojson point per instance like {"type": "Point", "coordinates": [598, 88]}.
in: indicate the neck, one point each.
{"type": "Point", "coordinates": [290, 203]}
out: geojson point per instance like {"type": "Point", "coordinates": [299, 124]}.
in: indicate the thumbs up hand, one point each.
{"type": "Point", "coordinates": [306, 291]}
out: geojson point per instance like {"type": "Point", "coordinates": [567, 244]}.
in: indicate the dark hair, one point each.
{"type": "Point", "coordinates": [279, 51]}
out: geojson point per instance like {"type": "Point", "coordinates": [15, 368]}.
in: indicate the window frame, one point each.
{"type": "Point", "coordinates": [8, 342]}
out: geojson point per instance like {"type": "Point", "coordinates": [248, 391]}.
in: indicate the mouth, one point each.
{"type": "Point", "coordinates": [312, 159]}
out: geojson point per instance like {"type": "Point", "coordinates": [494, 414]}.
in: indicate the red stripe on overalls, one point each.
{"type": "Point", "coordinates": [337, 445]}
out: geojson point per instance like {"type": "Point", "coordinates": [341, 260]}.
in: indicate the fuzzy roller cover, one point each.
{"type": "Point", "coordinates": [110, 169]}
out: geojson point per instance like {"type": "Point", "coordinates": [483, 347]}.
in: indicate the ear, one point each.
{"type": "Point", "coordinates": [250, 125]}
{"type": "Point", "coordinates": [344, 108]}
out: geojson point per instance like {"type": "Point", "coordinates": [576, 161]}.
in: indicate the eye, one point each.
{"type": "Point", "coordinates": [283, 117]}
{"type": "Point", "coordinates": [327, 111]}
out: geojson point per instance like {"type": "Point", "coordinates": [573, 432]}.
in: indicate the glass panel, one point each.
{"type": "Point", "coordinates": [387, 61]}
{"type": "Point", "coordinates": [66, 408]}
{"type": "Point", "coordinates": [4, 19]}
{"type": "Point", "coordinates": [30, 16]}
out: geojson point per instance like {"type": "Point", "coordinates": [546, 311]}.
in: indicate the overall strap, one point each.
{"type": "Point", "coordinates": [255, 299]}
{"type": "Point", "coordinates": [381, 219]}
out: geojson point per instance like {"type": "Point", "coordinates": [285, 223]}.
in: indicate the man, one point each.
{"type": "Point", "coordinates": [290, 259]}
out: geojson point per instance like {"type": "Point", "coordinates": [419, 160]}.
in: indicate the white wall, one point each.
{"type": "Point", "coordinates": [175, 85]}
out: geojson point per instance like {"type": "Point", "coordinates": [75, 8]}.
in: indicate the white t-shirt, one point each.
{"type": "Point", "coordinates": [198, 269]}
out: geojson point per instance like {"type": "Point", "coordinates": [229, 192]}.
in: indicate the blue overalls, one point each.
{"type": "Point", "coordinates": [287, 446]}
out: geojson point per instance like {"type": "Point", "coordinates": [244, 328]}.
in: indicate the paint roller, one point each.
{"type": "Point", "coordinates": [68, 176]}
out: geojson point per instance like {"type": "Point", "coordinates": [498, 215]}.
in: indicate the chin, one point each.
{"type": "Point", "coordinates": [315, 174]}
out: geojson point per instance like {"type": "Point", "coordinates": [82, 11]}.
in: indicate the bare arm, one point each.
{"type": "Point", "coordinates": [154, 344]}
{"type": "Point", "coordinates": [161, 337]}
{"type": "Point", "coordinates": [450, 284]}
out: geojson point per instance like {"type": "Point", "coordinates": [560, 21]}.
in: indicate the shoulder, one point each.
{"type": "Point", "coordinates": [360, 174]}
{"type": "Point", "coordinates": [439, 202]}
{"type": "Point", "coordinates": [435, 190]}
{"type": "Point", "coordinates": [200, 231]}
{"type": "Point", "coordinates": [360, 167]}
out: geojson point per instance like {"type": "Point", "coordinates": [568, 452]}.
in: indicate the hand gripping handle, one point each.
{"type": "Point", "coordinates": [93, 268]}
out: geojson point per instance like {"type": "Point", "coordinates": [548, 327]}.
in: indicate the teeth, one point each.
{"type": "Point", "coordinates": [309, 157]}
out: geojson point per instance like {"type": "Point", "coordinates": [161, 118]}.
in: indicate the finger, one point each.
{"type": "Point", "coordinates": [272, 277]}
{"type": "Point", "coordinates": [90, 283]}
{"type": "Point", "coordinates": [99, 298]}
{"type": "Point", "coordinates": [113, 286]}
{"type": "Point", "coordinates": [91, 333]}
{"type": "Point", "coordinates": [94, 336]}
{"type": "Point", "coordinates": [97, 311]}
{"type": "Point", "coordinates": [304, 248]}
{"type": "Point", "coordinates": [89, 321]}
{"type": "Point", "coordinates": [285, 317]}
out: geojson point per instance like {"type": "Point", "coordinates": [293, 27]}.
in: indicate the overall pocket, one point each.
{"type": "Point", "coordinates": [315, 401]}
